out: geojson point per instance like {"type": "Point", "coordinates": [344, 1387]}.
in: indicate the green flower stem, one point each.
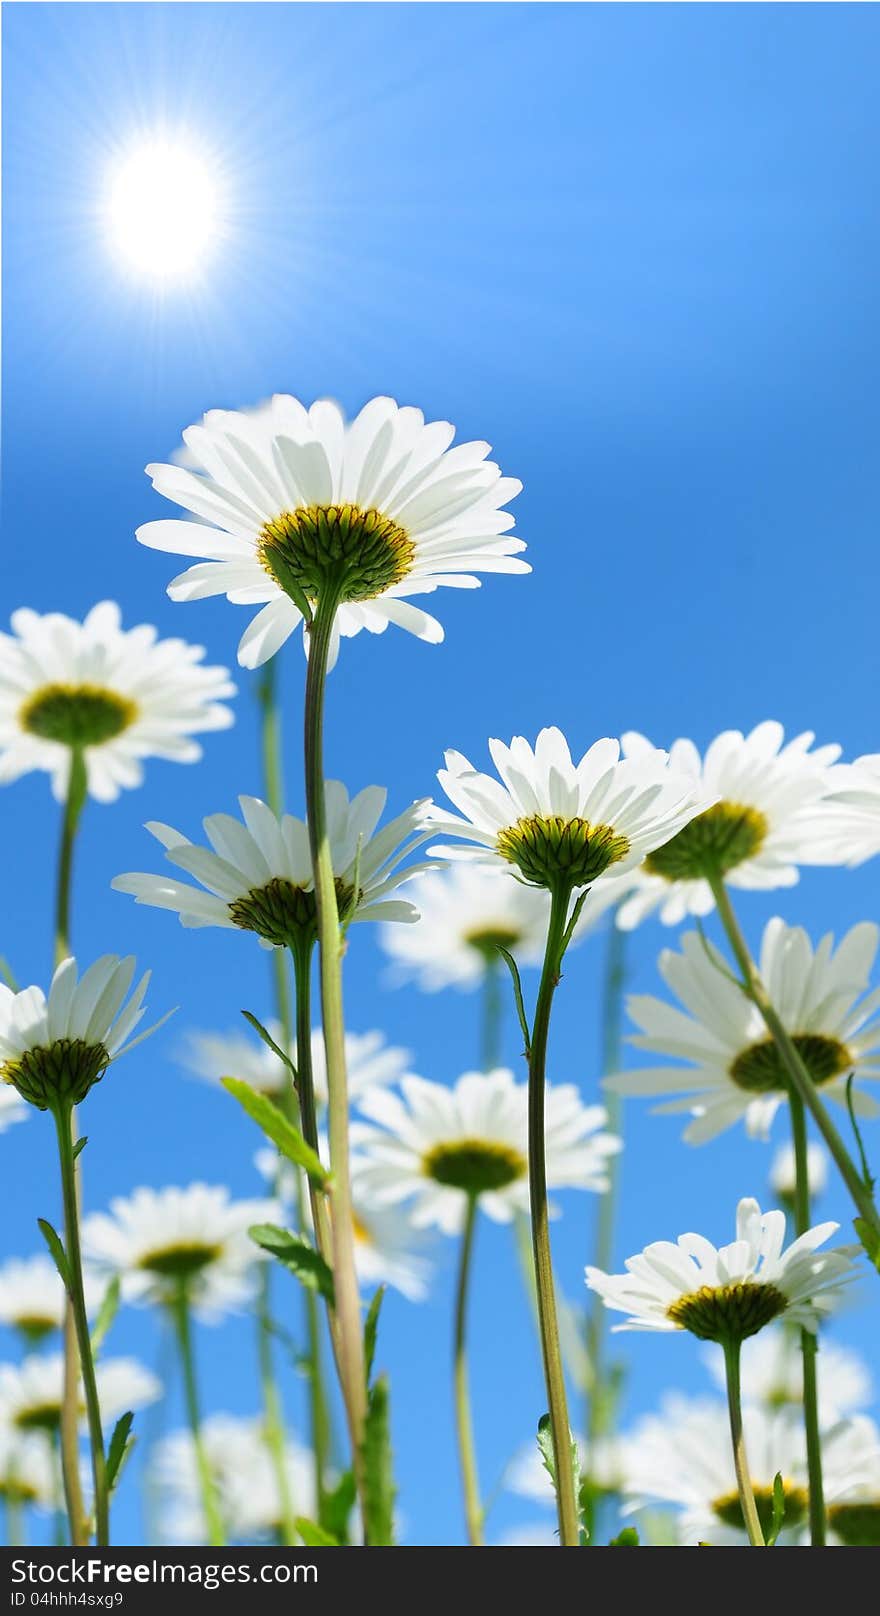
{"type": "Point", "coordinates": [808, 1340]}
{"type": "Point", "coordinates": [569, 1525]}
{"type": "Point", "coordinates": [801, 1082]}
{"type": "Point", "coordinates": [493, 1007]}
{"type": "Point", "coordinates": [271, 753]}
{"type": "Point", "coordinates": [14, 1514]}
{"type": "Point", "coordinates": [63, 1121]}
{"type": "Point", "coordinates": [350, 1346]}
{"type": "Point", "coordinates": [180, 1311]}
{"type": "Point", "coordinates": [77, 788]}
{"type": "Point", "coordinates": [466, 1452]}
{"type": "Point", "coordinates": [319, 1416]}
{"type": "Point", "coordinates": [603, 1382]}
{"type": "Point", "coordinates": [743, 1478]}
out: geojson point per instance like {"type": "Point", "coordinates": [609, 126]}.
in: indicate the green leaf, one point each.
{"type": "Point", "coordinates": [80, 1145]}
{"type": "Point", "coordinates": [269, 1041]}
{"type": "Point", "coordinates": [778, 1511]}
{"type": "Point", "coordinates": [371, 1326]}
{"type": "Point", "coordinates": [627, 1539]}
{"type": "Point", "coordinates": [56, 1251]}
{"type": "Point", "coordinates": [379, 1489]}
{"type": "Point", "coordinates": [337, 1506]}
{"type": "Point", "coordinates": [867, 1176]}
{"type": "Point", "coordinates": [545, 1448]}
{"type": "Point", "coordinates": [869, 1239]}
{"type": "Point", "coordinates": [106, 1314]}
{"type": "Point", "coordinates": [296, 1254]}
{"type": "Point", "coordinates": [119, 1449]}
{"type": "Point", "coordinates": [276, 1127]}
{"type": "Point", "coordinates": [314, 1536]}
{"type": "Point", "coordinates": [518, 997]}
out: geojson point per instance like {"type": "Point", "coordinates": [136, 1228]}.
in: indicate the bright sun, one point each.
{"type": "Point", "coordinates": [162, 209]}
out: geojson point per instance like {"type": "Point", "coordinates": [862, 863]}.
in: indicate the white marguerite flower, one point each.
{"type": "Point", "coordinates": [257, 876]}
{"type": "Point", "coordinates": [294, 502]}
{"type": "Point", "coordinates": [32, 1392]}
{"type": "Point", "coordinates": [244, 1477]}
{"type": "Point", "coordinates": [772, 1374]}
{"type": "Point", "coordinates": [555, 822]}
{"type": "Point", "coordinates": [465, 914]}
{"type": "Point", "coordinates": [370, 1061]}
{"type": "Point", "coordinates": [32, 1296]}
{"type": "Point", "coordinates": [851, 1457]}
{"type": "Point", "coordinates": [118, 695]}
{"type": "Point", "coordinates": [12, 1108]}
{"type": "Point", "coordinates": [194, 1240]}
{"type": "Point", "coordinates": [733, 1070]}
{"type": "Point", "coordinates": [27, 1469]}
{"type": "Point", "coordinates": [846, 824]}
{"type": "Point", "coordinates": [760, 826]}
{"type": "Point", "coordinates": [729, 1292]}
{"type": "Point", "coordinates": [388, 1250]}
{"type": "Point", "coordinates": [683, 1457]}
{"type": "Point", "coordinates": [783, 1170]}
{"type": "Point", "coordinates": [52, 1050]}
{"type": "Point", "coordinates": [434, 1146]}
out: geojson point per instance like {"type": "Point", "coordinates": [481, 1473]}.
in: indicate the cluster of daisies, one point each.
{"type": "Point", "coordinates": [287, 508]}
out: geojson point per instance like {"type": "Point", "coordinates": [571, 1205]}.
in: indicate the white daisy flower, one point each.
{"type": "Point", "coordinates": [783, 1171]}
{"type": "Point", "coordinates": [370, 1061]}
{"type": "Point", "coordinates": [32, 1392]}
{"type": "Point", "coordinates": [549, 819]}
{"type": "Point", "coordinates": [846, 825]}
{"type": "Point", "coordinates": [683, 1457]}
{"type": "Point", "coordinates": [258, 877]}
{"type": "Point", "coordinates": [465, 914]}
{"type": "Point", "coordinates": [32, 1296]}
{"type": "Point", "coordinates": [52, 1050]}
{"type": "Point", "coordinates": [733, 1069]}
{"type": "Point", "coordinates": [295, 502]}
{"type": "Point", "coordinates": [434, 1146]}
{"type": "Point", "coordinates": [119, 695]}
{"type": "Point", "coordinates": [729, 1292]}
{"type": "Point", "coordinates": [760, 827]}
{"type": "Point", "coordinates": [12, 1109]}
{"type": "Point", "coordinates": [851, 1455]}
{"type": "Point", "coordinates": [244, 1478]}
{"type": "Point", "coordinates": [772, 1374]}
{"type": "Point", "coordinates": [27, 1470]}
{"type": "Point", "coordinates": [387, 1249]}
{"type": "Point", "coordinates": [195, 1239]}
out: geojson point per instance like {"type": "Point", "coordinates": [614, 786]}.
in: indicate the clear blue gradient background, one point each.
{"type": "Point", "coordinates": [636, 247]}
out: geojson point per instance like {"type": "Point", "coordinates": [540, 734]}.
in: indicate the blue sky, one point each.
{"type": "Point", "coordinates": [635, 247]}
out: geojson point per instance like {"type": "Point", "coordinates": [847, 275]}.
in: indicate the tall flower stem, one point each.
{"type": "Point", "coordinates": [808, 1340]}
{"type": "Point", "coordinates": [73, 1254]}
{"type": "Point", "coordinates": [473, 1509]}
{"type": "Point", "coordinates": [77, 788]}
{"type": "Point", "coordinates": [554, 1376]}
{"type": "Point", "coordinates": [271, 753]}
{"type": "Point", "coordinates": [319, 1416]}
{"type": "Point", "coordinates": [749, 1508]}
{"type": "Point", "coordinates": [180, 1310]}
{"type": "Point", "coordinates": [801, 1083]}
{"type": "Point", "coordinates": [602, 1390]}
{"type": "Point", "coordinates": [12, 1508]}
{"type": "Point", "coordinates": [350, 1346]}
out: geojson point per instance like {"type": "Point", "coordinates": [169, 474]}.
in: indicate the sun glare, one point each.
{"type": "Point", "coordinates": [162, 209]}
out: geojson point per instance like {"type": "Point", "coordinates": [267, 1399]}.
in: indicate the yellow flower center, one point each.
{"type": "Point", "coordinates": [551, 851]}
{"type": "Point", "coordinates": [727, 1312]}
{"type": "Point", "coordinates": [476, 1166]}
{"type": "Point", "coordinates": [180, 1261]}
{"type": "Point", "coordinates": [729, 1510]}
{"type": "Point", "coordinates": [279, 912]}
{"type": "Point", "coordinates": [63, 1071]}
{"type": "Point", "coordinates": [77, 715]}
{"type": "Point", "coordinates": [759, 1069]}
{"type": "Point", "coordinates": [712, 844]}
{"type": "Point", "coordinates": [342, 549]}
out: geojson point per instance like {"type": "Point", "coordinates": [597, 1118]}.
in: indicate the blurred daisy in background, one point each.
{"type": "Point", "coordinates": [244, 1479]}
{"type": "Point", "coordinates": [783, 1177]}
{"type": "Point", "coordinates": [32, 1296]}
{"type": "Point", "coordinates": [32, 1392]}
{"type": "Point", "coordinates": [733, 1070]}
{"type": "Point", "coordinates": [772, 1374]}
{"type": "Point", "coordinates": [371, 1062]}
{"type": "Point", "coordinates": [116, 696]}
